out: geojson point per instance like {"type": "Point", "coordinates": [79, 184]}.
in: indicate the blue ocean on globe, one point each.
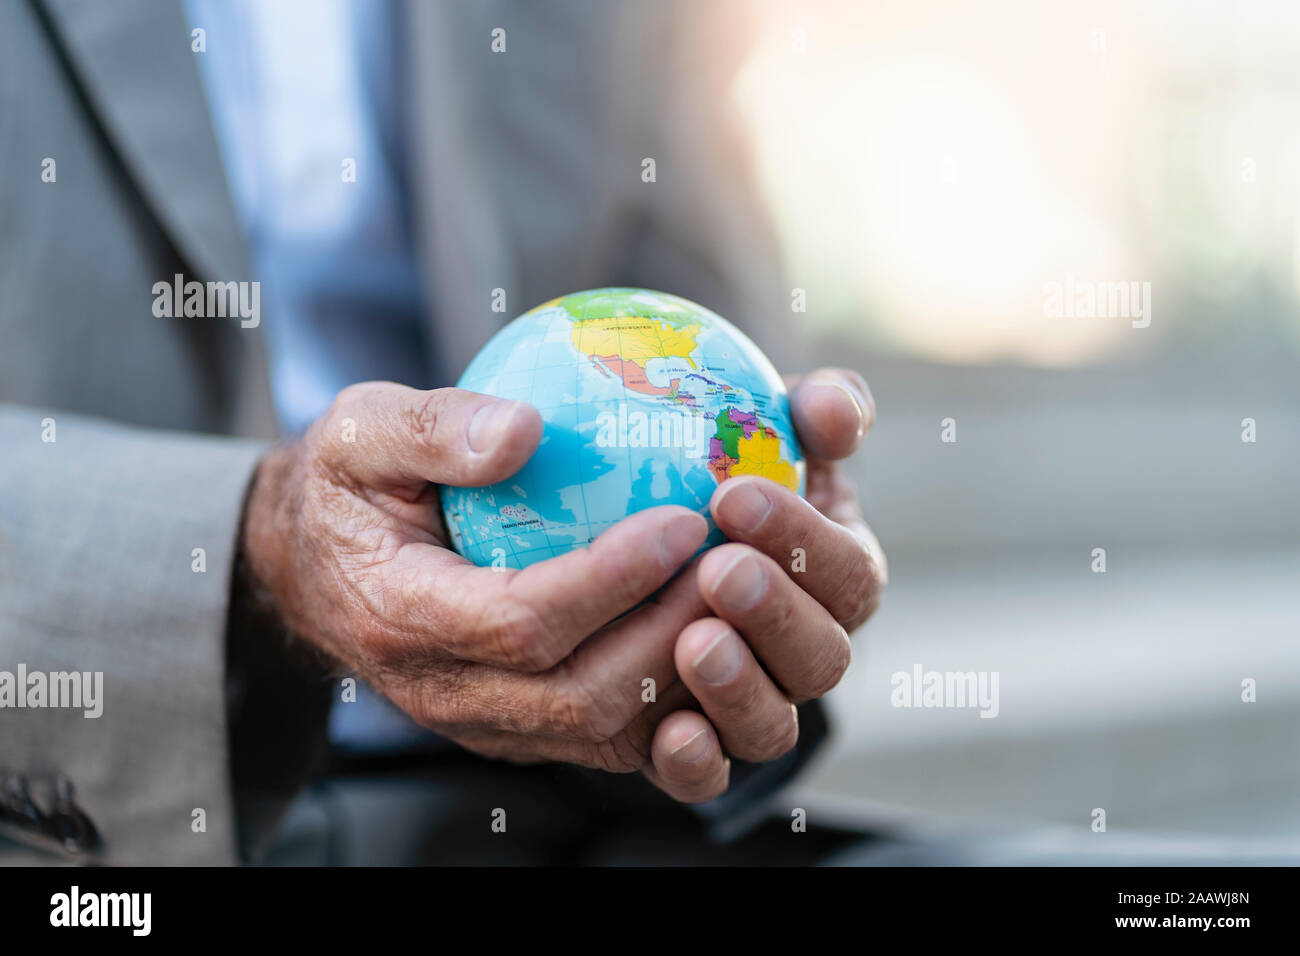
{"type": "Point", "coordinates": [647, 399]}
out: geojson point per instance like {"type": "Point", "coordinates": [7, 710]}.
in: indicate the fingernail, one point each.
{"type": "Point", "coordinates": [741, 584]}
{"type": "Point", "coordinates": [489, 426]}
{"type": "Point", "coordinates": [681, 538]}
{"type": "Point", "coordinates": [694, 750]}
{"type": "Point", "coordinates": [841, 384]}
{"type": "Point", "coordinates": [721, 660]}
{"type": "Point", "coordinates": [744, 506]}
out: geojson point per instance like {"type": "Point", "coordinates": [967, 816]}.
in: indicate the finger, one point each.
{"type": "Point", "coordinates": [752, 717]}
{"type": "Point", "coordinates": [835, 496]}
{"type": "Point", "coordinates": [625, 752]}
{"type": "Point", "coordinates": [804, 649]}
{"type": "Point", "coordinates": [532, 619]}
{"type": "Point", "coordinates": [688, 762]}
{"type": "Point", "coordinates": [380, 433]}
{"type": "Point", "coordinates": [606, 682]}
{"type": "Point", "coordinates": [598, 692]}
{"type": "Point", "coordinates": [841, 567]}
{"type": "Point", "coordinates": [832, 410]}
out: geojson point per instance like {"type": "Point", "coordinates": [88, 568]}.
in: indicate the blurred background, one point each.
{"type": "Point", "coordinates": [934, 167]}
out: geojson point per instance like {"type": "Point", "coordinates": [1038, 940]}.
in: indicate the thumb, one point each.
{"type": "Point", "coordinates": [832, 410]}
{"type": "Point", "coordinates": [383, 434]}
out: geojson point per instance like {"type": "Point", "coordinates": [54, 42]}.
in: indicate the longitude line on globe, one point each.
{"type": "Point", "coordinates": [577, 383]}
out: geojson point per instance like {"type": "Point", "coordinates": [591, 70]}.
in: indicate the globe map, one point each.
{"type": "Point", "coordinates": [647, 399]}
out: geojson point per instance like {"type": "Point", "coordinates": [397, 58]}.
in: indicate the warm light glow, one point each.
{"type": "Point", "coordinates": [932, 170]}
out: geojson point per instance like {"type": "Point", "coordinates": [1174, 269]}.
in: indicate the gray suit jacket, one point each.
{"type": "Point", "coordinates": [527, 174]}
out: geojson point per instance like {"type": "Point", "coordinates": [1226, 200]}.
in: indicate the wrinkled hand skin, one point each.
{"type": "Point", "coordinates": [344, 533]}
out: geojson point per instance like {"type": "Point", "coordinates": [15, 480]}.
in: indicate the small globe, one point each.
{"type": "Point", "coordinates": [647, 399]}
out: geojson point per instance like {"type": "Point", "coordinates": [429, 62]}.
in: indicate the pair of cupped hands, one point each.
{"type": "Point", "coordinates": [344, 534]}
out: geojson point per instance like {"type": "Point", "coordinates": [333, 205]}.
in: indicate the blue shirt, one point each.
{"type": "Point", "coordinates": [303, 95]}
{"type": "Point", "coordinates": [303, 98]}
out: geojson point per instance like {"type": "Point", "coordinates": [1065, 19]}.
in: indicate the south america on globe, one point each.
{"type": "Point", "coordinates": [646, 398]}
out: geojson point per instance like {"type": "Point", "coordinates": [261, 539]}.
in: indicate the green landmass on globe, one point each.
{"type": "Point", "coordinates": [646, 398]}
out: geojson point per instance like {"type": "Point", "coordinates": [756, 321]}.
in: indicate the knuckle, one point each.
{"type": "Point", "coordinates": [829, 668]}
{"type": "Point", "coordinates": [744, 708]}
{"type": "Point", "coordinates": [776, 736]}
{"type": "Point", "coordinates": [617, 755]}
{"type": "Point", "coordinates": [858, 593]}
{"type": "Point", "coordinates": [329, 428]}
{"type": "Point", "coordinates": [781, 615]}
{"type": "Point", "coordinates": [422, 417]}
{"type": "Point", "coordinates": [778, 742]}
{"type": "Point", "coordinates": [578, 713]}
{"type": "Point", "coordinates": [348, 403]}
{"type": "Point", "coordinates": [350, 397]}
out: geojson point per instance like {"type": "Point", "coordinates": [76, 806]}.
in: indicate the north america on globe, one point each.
{"type": "Point", "coordinates": [646, 398]}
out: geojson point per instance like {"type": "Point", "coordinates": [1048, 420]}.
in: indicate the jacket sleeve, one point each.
{"type": "Point", "coordinates": [116, 552]}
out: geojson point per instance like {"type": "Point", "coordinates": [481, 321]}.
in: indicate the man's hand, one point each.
{"type": "Point", "coordinates": [778, 634]}
{"type": "Point", "coordinates": [344, 534]}
{"type": "Point", "coordinates": [343, 531]}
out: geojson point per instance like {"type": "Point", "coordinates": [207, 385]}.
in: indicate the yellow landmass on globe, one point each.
{"type": "Point", "coordinates": [634, 338]}
{"type": "Point", "coordinates": [760, 454]}
{"type": "Point", "coordinates": [548, 304]}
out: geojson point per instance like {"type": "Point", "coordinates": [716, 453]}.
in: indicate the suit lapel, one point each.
{"type": "Point", "coordinates": [133, 59]}
{"type": "Point", "coordinates": [458, 221]}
